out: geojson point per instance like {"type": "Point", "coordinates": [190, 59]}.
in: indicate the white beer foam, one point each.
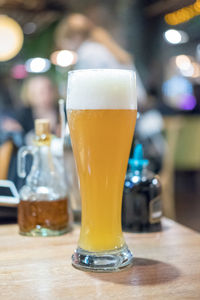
{"type": "Point", "coordinates": [101, 89]}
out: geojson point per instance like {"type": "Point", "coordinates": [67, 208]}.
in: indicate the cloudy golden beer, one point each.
{"type": "Point", "coordinates": [101, 111]}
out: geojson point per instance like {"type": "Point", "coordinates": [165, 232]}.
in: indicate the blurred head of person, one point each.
{"type": "Point", "coordinates": [74, 29]}
{"type": "Point", "coordinates": [39, 92]}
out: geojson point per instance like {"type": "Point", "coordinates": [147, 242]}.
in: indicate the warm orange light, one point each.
{"type": "Point", "coordinates": [11, 38]}
{"type": "Point", "coordinates": [197, 6]}
{"type": "Point", "coordinates": [183, 62]}
{"type": "Point", "coordinates": [184, 14]}
{"type": "Point", "coordinates": [196, 73]}
{"type": "Point", "coordinates": [63, 58]}
{"type": "Point", "coordinates": [187, 66]}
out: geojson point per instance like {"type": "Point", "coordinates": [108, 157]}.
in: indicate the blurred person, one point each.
{"type": "Point", "coordinates": [11, 136]}
{"type": "Point", "coordinates": [6, 101]}
{"type": "Point", "coordinates": [95, 47]}
{"type": "Point", "coordinates": [8, 120]}
{"type": "Point", "coordinates": [9, 126]}
{"type": "Point", "coordinates": [39, 96]}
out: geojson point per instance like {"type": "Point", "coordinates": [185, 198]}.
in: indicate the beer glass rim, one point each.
{"type": "Point", "coordinates": [101, 84]}
{"type": "Point", "coordinates": [98, 70]}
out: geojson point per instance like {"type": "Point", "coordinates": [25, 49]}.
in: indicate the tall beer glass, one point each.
{"type": "Point", "coordinates": [101, 111]}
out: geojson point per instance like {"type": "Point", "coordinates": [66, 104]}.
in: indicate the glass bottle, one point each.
{"type": "Point", "coordinates": [141, 206]}
{"type": "Point", "coordinates": [44, 208]}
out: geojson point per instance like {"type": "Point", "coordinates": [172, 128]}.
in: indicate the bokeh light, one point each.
{"type": "Point", "coordinates": [37, 65]}
{"type": "Point", "coordinates": [187, 66]}
{"type": "Point", "coordinates": [63, 58]}
{"type": "Point", "coordinates": [172, 36]}
{"type": "Point", "coordinates": [196, 70]}
{"type": "Point", "coordinates": [183, 62]}
{"type": "Point", "coordinates": [19, 71]}
{"type": "Point", "coordinates": [11, 38]}
{"type": "Point", "coordinates": [184, 14]}
{"type": "Point", "coordinates": [178, 93]}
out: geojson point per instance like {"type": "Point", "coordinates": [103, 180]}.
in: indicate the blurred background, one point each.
{"type": "Point", "coordinates": [41, 40]}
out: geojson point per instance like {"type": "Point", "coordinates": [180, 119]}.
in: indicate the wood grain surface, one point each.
{"type": "Point", "coordinates": [166, 266]}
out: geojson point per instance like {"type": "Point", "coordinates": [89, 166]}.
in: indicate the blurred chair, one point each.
{"type": "Point", "coordinates": [187, 156]}
{"type": "Point", "coordinates": [173, 126]}
{"type": "Point", "coordinates": [6, 150]}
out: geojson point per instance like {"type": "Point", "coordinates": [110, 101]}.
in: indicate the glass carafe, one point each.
{"type": "Point", "coordinates": [44, 207]}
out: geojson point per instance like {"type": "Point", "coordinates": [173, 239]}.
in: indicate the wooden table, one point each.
{"type": "Point", "coordinates": [167, 266]}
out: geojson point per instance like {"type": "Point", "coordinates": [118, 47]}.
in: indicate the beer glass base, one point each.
{"type": "Point", "coordinates": [45, 232]}
{"type": "Point", "coordinates": [108, 261]}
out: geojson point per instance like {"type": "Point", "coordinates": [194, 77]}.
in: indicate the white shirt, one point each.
{"type": "Point", "coordinates": [92, 55]}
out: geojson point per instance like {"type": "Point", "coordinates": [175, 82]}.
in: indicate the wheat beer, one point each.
{"type": "Point", "coordinates": [101, 111]}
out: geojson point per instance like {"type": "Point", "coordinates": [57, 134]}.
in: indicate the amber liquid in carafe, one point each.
{"type": "Point", "coordinates": [52, 215]}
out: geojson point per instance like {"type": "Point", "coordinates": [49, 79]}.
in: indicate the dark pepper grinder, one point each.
{"type": "Point", "coordinates": [141, 205]}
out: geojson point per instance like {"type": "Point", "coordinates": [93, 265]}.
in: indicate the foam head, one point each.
{"type": "Point", "coordinates": [101, 89]}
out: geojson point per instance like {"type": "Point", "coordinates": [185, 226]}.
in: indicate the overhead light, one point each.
{"type": "Point", "coordinates": [196, 70]}
{"type": "Point", "coordinates": [187, 66]}
{"type": "Point", "coordinates": [183, 14]}
{"type": "Point", "coordinates": [64, 58]}
{"type": "Point", "coordinates": [173, 36]}
{"type": "Point", "coordinates": [11, 38]}
{"type": "Point", "coordinates": [183, 62]}
{"type": "Point", "coordinates": [37, 65]}
{"type": "Point", "coordinates": [188, 72]}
